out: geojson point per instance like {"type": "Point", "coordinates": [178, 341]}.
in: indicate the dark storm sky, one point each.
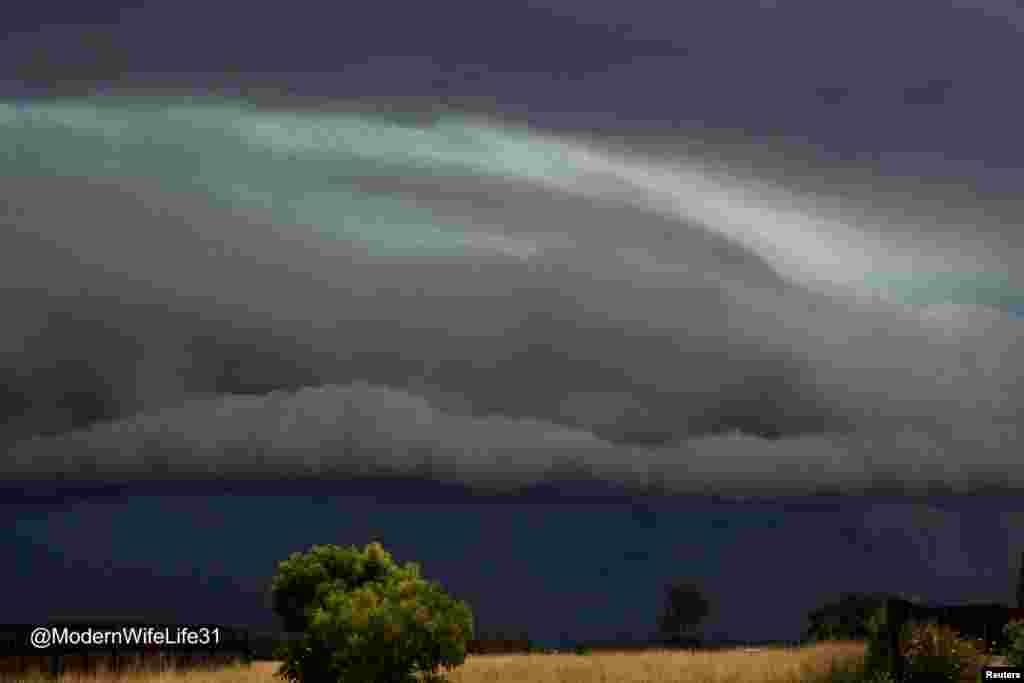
{"type": "Point", "coordinates": [903, 79]}
{"type": "Point", "coordinates": [918, 94]}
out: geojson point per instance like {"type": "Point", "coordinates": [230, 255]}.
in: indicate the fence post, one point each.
{"type": "Point", "coordinates": [894, 617]}
{"type": "Point", "coordinates": [56, 665]}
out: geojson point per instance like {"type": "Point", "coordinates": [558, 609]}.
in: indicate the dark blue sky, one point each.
{"type": "Point", "coordinates": [591, 566]}
{"type": "Point", "coordinates": [117, 309]}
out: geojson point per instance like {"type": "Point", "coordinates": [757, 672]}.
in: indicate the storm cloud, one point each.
{"type": "Point", "coordinates": [208, 288]}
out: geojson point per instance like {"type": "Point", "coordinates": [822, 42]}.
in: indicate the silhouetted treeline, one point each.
{"type": "Point", "coordinates": [845, 618]}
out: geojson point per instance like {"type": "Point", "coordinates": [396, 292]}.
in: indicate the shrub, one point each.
{"type": "Point", "coordinates": [581, 650]}
{"type": "Point", "coordinates": [880, 677]}
{"type": "Point", "coordinates": [1015, 642]}
{"type": "Point", "coordinates": [934, 652]}
{"type": "Point", "coordinates": [365, 618]}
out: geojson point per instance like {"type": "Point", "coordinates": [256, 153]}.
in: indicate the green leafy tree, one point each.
{"type": "Point", "coordinates": [685, 607]}
{"type": "Point", "coordinates": [365, 619]}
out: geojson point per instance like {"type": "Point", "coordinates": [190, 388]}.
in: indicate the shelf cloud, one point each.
{"type": "Point", "coordinates": [211, 288]}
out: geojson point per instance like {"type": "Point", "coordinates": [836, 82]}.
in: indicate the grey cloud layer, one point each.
{"type": "Point", "coordinates": [137, 318]}
{"type": "Point", "coordinates": [372, 431]}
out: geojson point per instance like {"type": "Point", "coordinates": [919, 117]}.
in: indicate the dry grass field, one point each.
{"type": "Point", "coordinates": [770, 665]}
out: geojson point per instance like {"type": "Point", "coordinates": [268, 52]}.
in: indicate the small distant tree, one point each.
{"type": "Point", "coordinates": [365, 619]}
{"type": "Point", "coordinates": [685, 608]}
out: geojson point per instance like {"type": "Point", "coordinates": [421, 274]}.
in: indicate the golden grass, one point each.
{"type": "Point", "coordinates": [257, 672]}
{"type": "Point", "coordinates": [770, 665]}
